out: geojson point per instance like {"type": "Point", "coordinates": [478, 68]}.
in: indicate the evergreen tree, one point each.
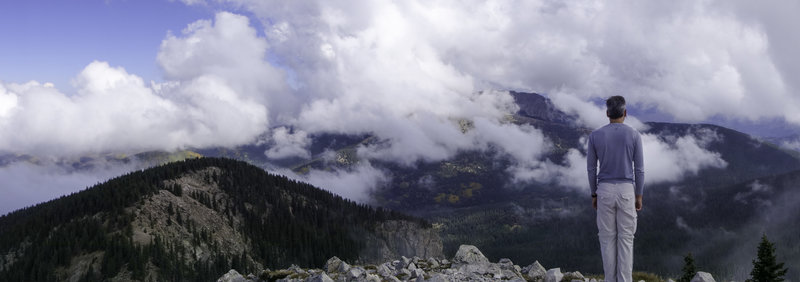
{"type": "Point", "coordinates": [689, 270]}
{"type": "Point", "coordinates": [765, 266]}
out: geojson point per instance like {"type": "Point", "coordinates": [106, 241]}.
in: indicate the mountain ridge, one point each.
{"type": "Point", "coordinates": [192, 220]}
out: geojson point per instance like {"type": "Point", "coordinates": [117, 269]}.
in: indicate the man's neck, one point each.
{"type": "Point", "coordinates": [617, 120]}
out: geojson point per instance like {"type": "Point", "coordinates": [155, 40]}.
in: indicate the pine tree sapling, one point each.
{"type": "Point", "coordinates": [689, 270]}
{"type": "Point", "coordinates": [765, 266]}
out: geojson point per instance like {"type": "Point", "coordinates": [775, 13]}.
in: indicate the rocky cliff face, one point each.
{"type": "Point", "coordinates": [396, 238]}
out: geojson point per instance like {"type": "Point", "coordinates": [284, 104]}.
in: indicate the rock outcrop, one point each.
{"type": "Point", "coordinates": [469, 264]}
{"type": "Point", "coordinates": [703, 277]}
{"type": "Point", "coordinates": [396, 238]}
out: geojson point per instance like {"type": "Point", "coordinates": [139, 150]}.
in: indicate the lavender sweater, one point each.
{"type": "Point", "coordinates": [618, 148]}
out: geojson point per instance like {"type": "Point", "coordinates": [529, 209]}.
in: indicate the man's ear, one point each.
{"type": "Point", "coordinates": [608, 114]}
{"type": "Point", "coordinates": [624, 113]}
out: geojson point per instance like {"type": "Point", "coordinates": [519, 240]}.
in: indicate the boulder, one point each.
{"type": "Point", "coordinates": [231, 276]}
{"type": "Point", "coordinates": [535, 271]}
{"type": "Point", "coordinates": [405, 272]}
{"type": "Point", "coordinates": [385, 270]}
{"type": "Point", "coordinates": [373, 278]}
{"type": "Point", "coordinates": [571, 276]}
{"type": "Point", "coordinates": [355, 272]}
{"type": "Point", "coordinates": [335, 265]}
{"type": "Point", "coordinates": [468, 254]}
{"type": "Point", "coordinates": [506, 264]}
{"type": "Point", "coordinates": [482, 270]}
{"type": "Point", "coordinates": [418, 273]}
{"type": "Point", "coordinates": [322, 277]}
{"type": "Point", "coordinates": [438, 277]}
{"type": "Point", "coordinates": [553, 275]}
{"type": "Point", "coordinates": [432, 263]}
{"type": "Point", "coordinates": [703, 277]}
{"type": "Point", "coordinates": [406, 261]}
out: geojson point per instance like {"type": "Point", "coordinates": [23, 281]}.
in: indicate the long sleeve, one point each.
{"type": "Point", "coordinates": [638, 165]}
{"type": "Point", "coordinates": [591, 165]}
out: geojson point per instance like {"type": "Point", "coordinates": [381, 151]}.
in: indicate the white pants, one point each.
{"type": "Point", "coordinates": [616, 224]}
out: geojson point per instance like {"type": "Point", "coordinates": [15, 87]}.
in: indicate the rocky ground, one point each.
{"type": "Point", "coordinates": [469, 264]}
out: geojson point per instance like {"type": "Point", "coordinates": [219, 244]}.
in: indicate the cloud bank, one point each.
{"type": "Point", "coordinates": [421, 77]}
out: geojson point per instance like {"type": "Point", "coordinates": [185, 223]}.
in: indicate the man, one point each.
{"type": "Point", "coordinates": [616, 188]}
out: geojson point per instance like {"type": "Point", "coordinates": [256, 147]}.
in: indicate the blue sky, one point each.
{"type": "Point", "coordinates": [52, 41]}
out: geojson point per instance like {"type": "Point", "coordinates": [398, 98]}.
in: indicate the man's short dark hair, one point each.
{"type": "Point", "coordinates": [615, 107]}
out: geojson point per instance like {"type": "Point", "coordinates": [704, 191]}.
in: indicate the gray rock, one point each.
{"type": "Point", "coordinates": [482, 270]}
{"type": "Point", "coordinates": [322, 277]}
{"type": "Point", "coordinates": [335, 265]}
{"type": "Point", "coordinates": [416, 259]}
{"type": "Point", "coordinates": [294, 268]}
{"type": "Point", "coordinates": [506, 264]}
{"type": "Point", "coordinates": [468, 254]}
{"type": "Point", "coordinates": [553, 275]}
{"type": "Point", "coordinates": [535, 271]}
{"type": "Point", "coordinates": [355, 272]}
{"type": "Point", "coordinates": [373, 278]}
{"type": "Point", "coordinates": [417, 273]}
{"type": "Point", "coordinates": [385, 270]}
{"type": "Point", "coordinates": [670, 280]}
{"type": "Point", "coordinates": [412, 267]}
{"type": "Point", "coordinates": [510, 274]}
{"type": "Point", "coordinates": [570, 276]}
{"type": "Point", "coordinates": [432, 263]}
{"type": "Point", "coordinates": [405, 272]}
{"type": "Point", "coordinates": [703, 277]}
{"type": "Point", "coordinates": [438, 277]}
{"type": "Point", "coordinates": [405, 260]}
{"type": "Point", "coordinates": [231, 276]}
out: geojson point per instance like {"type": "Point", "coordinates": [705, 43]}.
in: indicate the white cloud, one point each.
{"type": "Point", "coordinates": [690, 59]}
{"type": "Point", "coordinates": [589, 115]}
{"type": "Point", "coordinates": [355, 184]}
{"type": "Point", "coordinates": [664, 161]}
{"type": "Point", "coordinates": [675, 159]}
{"type": "Point", "coordinates": [409, 72]}
{"type": "Point", "coordinates": [114, 111]}
{"type": "Point", "coordinates": [289, 144]}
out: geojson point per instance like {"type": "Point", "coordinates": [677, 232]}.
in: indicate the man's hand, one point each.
{"type": "Point", "coordinates": [638, 202]}
{"type": "Point", "coordinates": [594, 202]}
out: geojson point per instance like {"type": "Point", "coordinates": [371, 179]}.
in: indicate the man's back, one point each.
{"type": "Point", "coordinates": [618, 148]}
